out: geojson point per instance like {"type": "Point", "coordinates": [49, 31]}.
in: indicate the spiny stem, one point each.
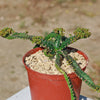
{"type": "Point", "coordinates": [79, 33]}
{"type": "Point", "coordinates": [57, 64]}
{"type": "Point", "coordinates": [67, 42]}
{"type": "Point", "coordinates": [9, 33]}
{"type": "Point", "coordinates": [20, 36]}
{"type": "Point", "coordinates": [82, 75]}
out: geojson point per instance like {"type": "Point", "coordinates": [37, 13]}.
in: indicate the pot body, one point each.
{"type": "Point", "coordinates": [51, 87]}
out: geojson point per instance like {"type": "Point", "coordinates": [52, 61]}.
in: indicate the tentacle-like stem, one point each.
{"type": "Point", "coordinates": [67, 42]}
{"type": "Point", "coordinates": [19, 36]}
{"type": "Point", "coordinates": [58, 64]}
{"type": "Point", "coordinates": [9, 33]}
{"type": "Point", "coordinates": [82, 75]}
{"type": "Point", "coordinates": [79, 33]}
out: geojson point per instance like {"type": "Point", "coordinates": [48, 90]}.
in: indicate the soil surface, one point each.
{"type": "Point", "coordinates": [38, 17]}
{"type": "Point", "coordinates": [34, 61]}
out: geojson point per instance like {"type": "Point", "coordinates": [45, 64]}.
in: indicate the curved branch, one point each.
{"type": "Point", "coordinates": [82, 75]}
{"type": "Point", "coordinates": [57, 64]}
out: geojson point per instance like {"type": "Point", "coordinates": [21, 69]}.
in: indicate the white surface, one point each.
{"type": "Point", "coordinates": [25, 95]}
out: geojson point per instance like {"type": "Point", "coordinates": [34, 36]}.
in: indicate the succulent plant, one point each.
{"type": "Point", "coordinates": [54, 44]}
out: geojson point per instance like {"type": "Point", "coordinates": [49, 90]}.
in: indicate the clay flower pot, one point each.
{"type": "Point", "coordinates": [52, 87]}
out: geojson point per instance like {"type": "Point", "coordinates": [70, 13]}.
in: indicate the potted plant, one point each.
{"type": "Point", "coordinates": [55, 45]}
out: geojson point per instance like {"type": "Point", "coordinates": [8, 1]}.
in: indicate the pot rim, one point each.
{"type": "Point", "coordinates": [40, 48]}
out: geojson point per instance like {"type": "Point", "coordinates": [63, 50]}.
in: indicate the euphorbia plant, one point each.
{"type": "Point", "coordinates": [54, 44]}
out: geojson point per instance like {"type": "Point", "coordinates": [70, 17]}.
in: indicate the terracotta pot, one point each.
{"type": "Point", "coordinates": [52, 87]}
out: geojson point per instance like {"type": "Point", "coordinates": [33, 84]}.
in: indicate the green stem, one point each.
{"type": "Point", "coordinates": [68, 41]}
{"type": "Point", "coordinates": [82, 75]}
{"type": "Point", "coordinates": [20, 36]}
{"type": "Point", "coordinates": [57, 64]}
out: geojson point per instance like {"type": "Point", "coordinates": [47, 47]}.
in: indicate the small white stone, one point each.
{"type": "Point", "coordinates": [40, 63]}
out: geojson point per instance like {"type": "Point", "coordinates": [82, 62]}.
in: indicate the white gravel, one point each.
{"type": "Point", "coordinates": [42, 64]}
